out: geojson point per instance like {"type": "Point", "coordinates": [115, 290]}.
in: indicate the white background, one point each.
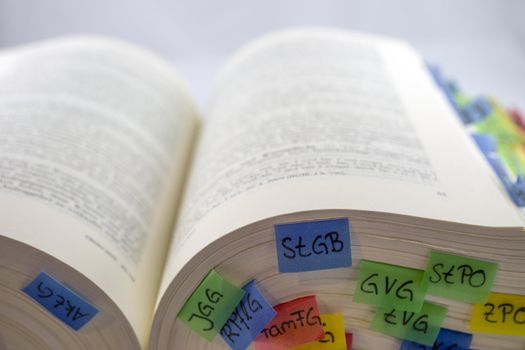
{"type": "Point", "coordinates": [479, 42]}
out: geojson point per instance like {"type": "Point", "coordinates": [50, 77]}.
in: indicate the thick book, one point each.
{"type": "Point", "coordinates": [116, 189]}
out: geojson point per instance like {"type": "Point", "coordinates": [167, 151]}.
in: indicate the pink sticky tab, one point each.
{"type": "Point", "coordinates": [297, 322]}
{"type": "Point", "coordinates": [348, 337]}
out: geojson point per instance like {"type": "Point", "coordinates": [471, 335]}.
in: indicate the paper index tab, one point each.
{"type": "Point", "coordinates": [334, 335]}
{"type": "Point", "coordinates": [297, 322]}
{"type": "Point", "coordinates": [447, 339]}
{"type": "Point", "coordinates": [210, 305]}
{"type": "Point", "coordinates": [349, 338]}
{"type": "Point", "coordinates": [388, 285]}
{"type": "Point", "coordinates": [421, 327]}
{"type": "Point", "coordinates": [248, 319]}
{"type": "Point", "coordinates": [458, 277]}
{"type": "Point", "coordinates": [486, 143]}
{"type": "Point", "coordinates": [501, 314]}
{"type": "Point", "coordinates": [62, 302]}
{"type": "Point", "coordinates": [313, 245]}
{"type": "Point", "coordinates": [501, 126]}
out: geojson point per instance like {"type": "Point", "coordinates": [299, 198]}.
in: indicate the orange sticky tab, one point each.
{"type": "Point", "coordinates": [334, 335]}
{"type": "Point", "coordinates": [501, 314]}
{"type": "Point", "coordinates": [297, 322]}
{"type": "Point", "coordinates": [348, 337]}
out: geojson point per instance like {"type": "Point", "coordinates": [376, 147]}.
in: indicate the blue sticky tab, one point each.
{"type": "Point", "coordinates": [483, 106]}
{"type": "Point", "coordinates": [477, 110]}
{"type": "Point", "coordinates": [62, 302]}
{"type": "Point", "coordinates": [447, 339]}
{"type": "Point", "coordinates": [248, 319]}
{"type": "Point", "coordinates": [518, 191]}
{"type": "Point", "coordinates": [313, 245]}
{"type": "Point", "coordinates": [435, 71]}
{"type": "Point", "coordinates": [486, 143]}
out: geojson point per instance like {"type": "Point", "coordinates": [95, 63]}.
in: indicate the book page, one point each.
{"type": "Point", "coordinates": [322, 119]}
{"type": "Point", "coordinates": [95, 136]}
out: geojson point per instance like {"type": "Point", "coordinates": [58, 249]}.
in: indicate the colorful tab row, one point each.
{"type": "Point", "coordinates": [399, 292]}
{"type": "Point", "coordinates": [447, 275]}
{"type": "Point", "coordinates": [243, 316]}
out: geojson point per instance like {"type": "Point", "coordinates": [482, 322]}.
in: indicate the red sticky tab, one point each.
{"type": "Point", "coordinates": [297, 322]}
{"type": "Point", "coordinates": [348, 337]}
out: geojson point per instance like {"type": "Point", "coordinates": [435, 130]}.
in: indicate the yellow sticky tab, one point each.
{"type": "Point", "coordinates": [501, 126]}
{"type": "Point", "coordinates": [501, 314]}
{"type": "Point", "coordinates": [514, 158]}
{"type": "Point", "coordinates": [334, 335]}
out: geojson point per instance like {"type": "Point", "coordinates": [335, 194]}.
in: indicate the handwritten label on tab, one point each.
{"type": "Point", "coordinates": [501, 314]}
{"type": "Point", "coordinates": [313, 245]}
{"type": "Point", "coordinates": [61, 301]}
{"type": "Point", "coordinates": [387, 285]}
{"type": "Point", "coordinates": [447, 339]}
{"type": "Point", "coordinates": [334, 335]}
{"type": "Point", "coordinates": [297, 322]}
{"type": "Point", "coordinates": [421, 327]}
{"type": "Point", "coordinates": [210, 305]}
{"type": "Point", "coordinates": [248, 319]}
{"type": "Point", "coordinates": [458, 277]}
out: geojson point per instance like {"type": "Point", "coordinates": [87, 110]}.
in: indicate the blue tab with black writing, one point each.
{"type": "Point", "coordinates": [62, 302]}
{"type": "Point", "coordinates": [248, 319]}
{"type": "Point", "coordinates": [447, 339]}
{"type": "Point", "coordinates": [313, 245]}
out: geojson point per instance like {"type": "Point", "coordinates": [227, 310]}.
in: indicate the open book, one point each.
{"type": "Point", "coordinates": [112, 184]}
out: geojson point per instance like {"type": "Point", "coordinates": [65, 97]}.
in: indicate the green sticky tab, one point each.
{"type": "Point", "coordinates": [513, 157]}
{"type": "Point", "coordinates": [501, 126]}
{"type": "Point", "coordinates": [421, 327]}
{"type": "Point", "coordinates": [459, 277]}
{"type": "Point", "coordinates": [461, 99]}
{"type": "Point", "coordinates": [388, 285]}
{"type": "Point", "coordinates": [210, 305]}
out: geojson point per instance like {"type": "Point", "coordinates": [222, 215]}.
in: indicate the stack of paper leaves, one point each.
{"type": "Point", "coordinates": [331, 126]}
